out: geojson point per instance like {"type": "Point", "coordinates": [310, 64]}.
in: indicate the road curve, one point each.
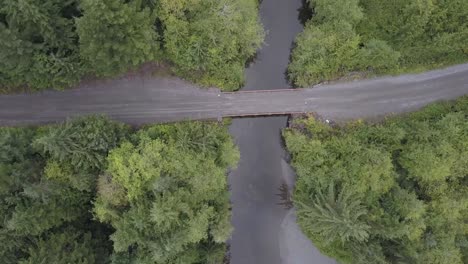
{"type": "Point", "coordinates": [145, 99]}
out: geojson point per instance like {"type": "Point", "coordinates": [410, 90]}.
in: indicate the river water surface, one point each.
{"type": "Point", "coordinates": [264, 231]}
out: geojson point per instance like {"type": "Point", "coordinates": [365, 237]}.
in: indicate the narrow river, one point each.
{"type": "Point", "coordinates": [265, 232]}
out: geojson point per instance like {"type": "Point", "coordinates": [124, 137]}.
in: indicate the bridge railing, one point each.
{"type": "Point", "coordinates": [265, 114]}
{"type": "Point", "coordinates": [264, 91]}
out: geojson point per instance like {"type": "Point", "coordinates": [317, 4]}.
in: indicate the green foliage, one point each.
{"type": "Point", "coordinates": [391, 36]}
{"type": "Point", "coordinates": [336, 216]}
{"type": "Point", "coordinates": [82, 142]}
{"type": "Point", "coordinates": [211, 40]}
{"type": "Point", "coordinates": [427, 33]}
{"type": "Point", "coordinates": [65, 247]}
{"type": "Point", "coordinates": [115, 36]}
{"type": "Point", "coordinates": [176, 207]}
{"type": "Point", "coordinates": [53, 43]}
{"type": "Point", "coordinates": [43, 206]}
{"type": "Point", "coordinates": [323, 52]}
{"type": "Point", "coordinates": [47, 180]}
{"type": "Point", "coordinates": [332, 11]}
{"type": "Point", "coordinates": [133, 167]}
{"type": "Point", "coordinates": [37, 46]}
{"type": "Point", "coordinates": [158, 195]}
{"type": "Point", "coordinates": [395, 192]}
{"type": "Point", "coordinates": [329, 45]}
{"type": "Point", "coordinates": [377, 56]}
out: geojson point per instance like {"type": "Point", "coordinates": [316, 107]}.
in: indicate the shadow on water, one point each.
{"type": "Point", "coordinates": [305, 12]}
{"type": "Point", "coordinates": [251, 60]}
{"type": "Point", "coordinates": [286, 71]}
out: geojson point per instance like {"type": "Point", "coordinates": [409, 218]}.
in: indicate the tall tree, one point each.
{"type": "Point", "coordinates": [395, 192]}
{"type": "Point", "coordinates": [116, 35]}
{"type": "Point", "coordinates": [82, 142]}
{"type": "Point", "coordinates": [47, 182]}
{"type": "Point", "coordinates": [38, 46]}
{"type": "Point", "coordinates": [211, 40]}
{"type": "Point", "coordinates": [70, 246]}
{"type": "Point", "coordinates": [168, 202]}
{"type": "Point", "coordinates": [389, 36]}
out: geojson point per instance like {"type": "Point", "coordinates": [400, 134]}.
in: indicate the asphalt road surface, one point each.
{"type": "Point", "coordinates": [146, 99]}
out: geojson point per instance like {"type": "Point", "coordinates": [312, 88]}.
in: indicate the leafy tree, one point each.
{"type": "Point", "coordinates": [17, 168]}
{"type": "Point", "coordinates": [65, 247]}
{"type": "Point", "coordinates": [160, 195]}
{"type": "Point", "coordinates": [171, 203]}
{"type": "Point", "coordinates": [329, 45]}
{"type": "Point", "coordinates": [115, 35]}
{"type": "Point", "coordinates": [392, 37]}
{"type": "Point", "coordinates": [38, 44]}
{"type": "Point", "coordinates": [46, 195]}
{"type": "Point", "coordinates": [335, 217]}
{"type": "Point", "coordinates": [43, 206]}
{"type": "Point", "coordinates": [82, 142]}
{"type": "Point", "coordinates": [323, 53]}
{"type": "Point", "coordinates": [395, 192]}
{"type": "Point", "coordinates": [53, 43]}
{"type": "Point", "coordinates": [378, 56]}
{"type": "Point", "coordinates": [210, 40]}
{"type": "Point", "coordinates": [332, 11]}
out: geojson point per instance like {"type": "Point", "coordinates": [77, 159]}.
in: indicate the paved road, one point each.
{"type": "Point", "coordinates": [144, 99]}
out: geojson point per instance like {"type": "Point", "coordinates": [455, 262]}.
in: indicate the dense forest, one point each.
{"type": "Point", "coordinates": [91, 190]}
{"type": "Point", "coordinates": [393, 192]}
{"type": "Point", "coordinates": [54, 43]}
{"type": "Point", "coordinates": [378, 36]}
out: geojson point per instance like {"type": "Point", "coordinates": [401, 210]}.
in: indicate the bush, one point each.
{"type": "Point", "coordinates": [378, 56]}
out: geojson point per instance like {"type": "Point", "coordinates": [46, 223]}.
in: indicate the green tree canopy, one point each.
{"type": "Point", "coordinates": [394, 192]}
{"type": "Point", "coordinates": [212, 39]}
{"type": "Point", "coordinates": [115, 35]}
{"type": "Point", "coordinates": [82, 142]}
{"type": "Point", "coordinates": [90, 190]}
{"type": "Point", "coordinates": [53, 43]}
{"type": "Point", "coordinates": [169, 202]}
{"type": "Point", "coordinates": [64, 247]}
{"type": "Point", "coordinates": [38, 44]}
{"type": "Point", "coordinates": [389, 37]}
{"type": "Point", "coordinates": [47, 181]}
